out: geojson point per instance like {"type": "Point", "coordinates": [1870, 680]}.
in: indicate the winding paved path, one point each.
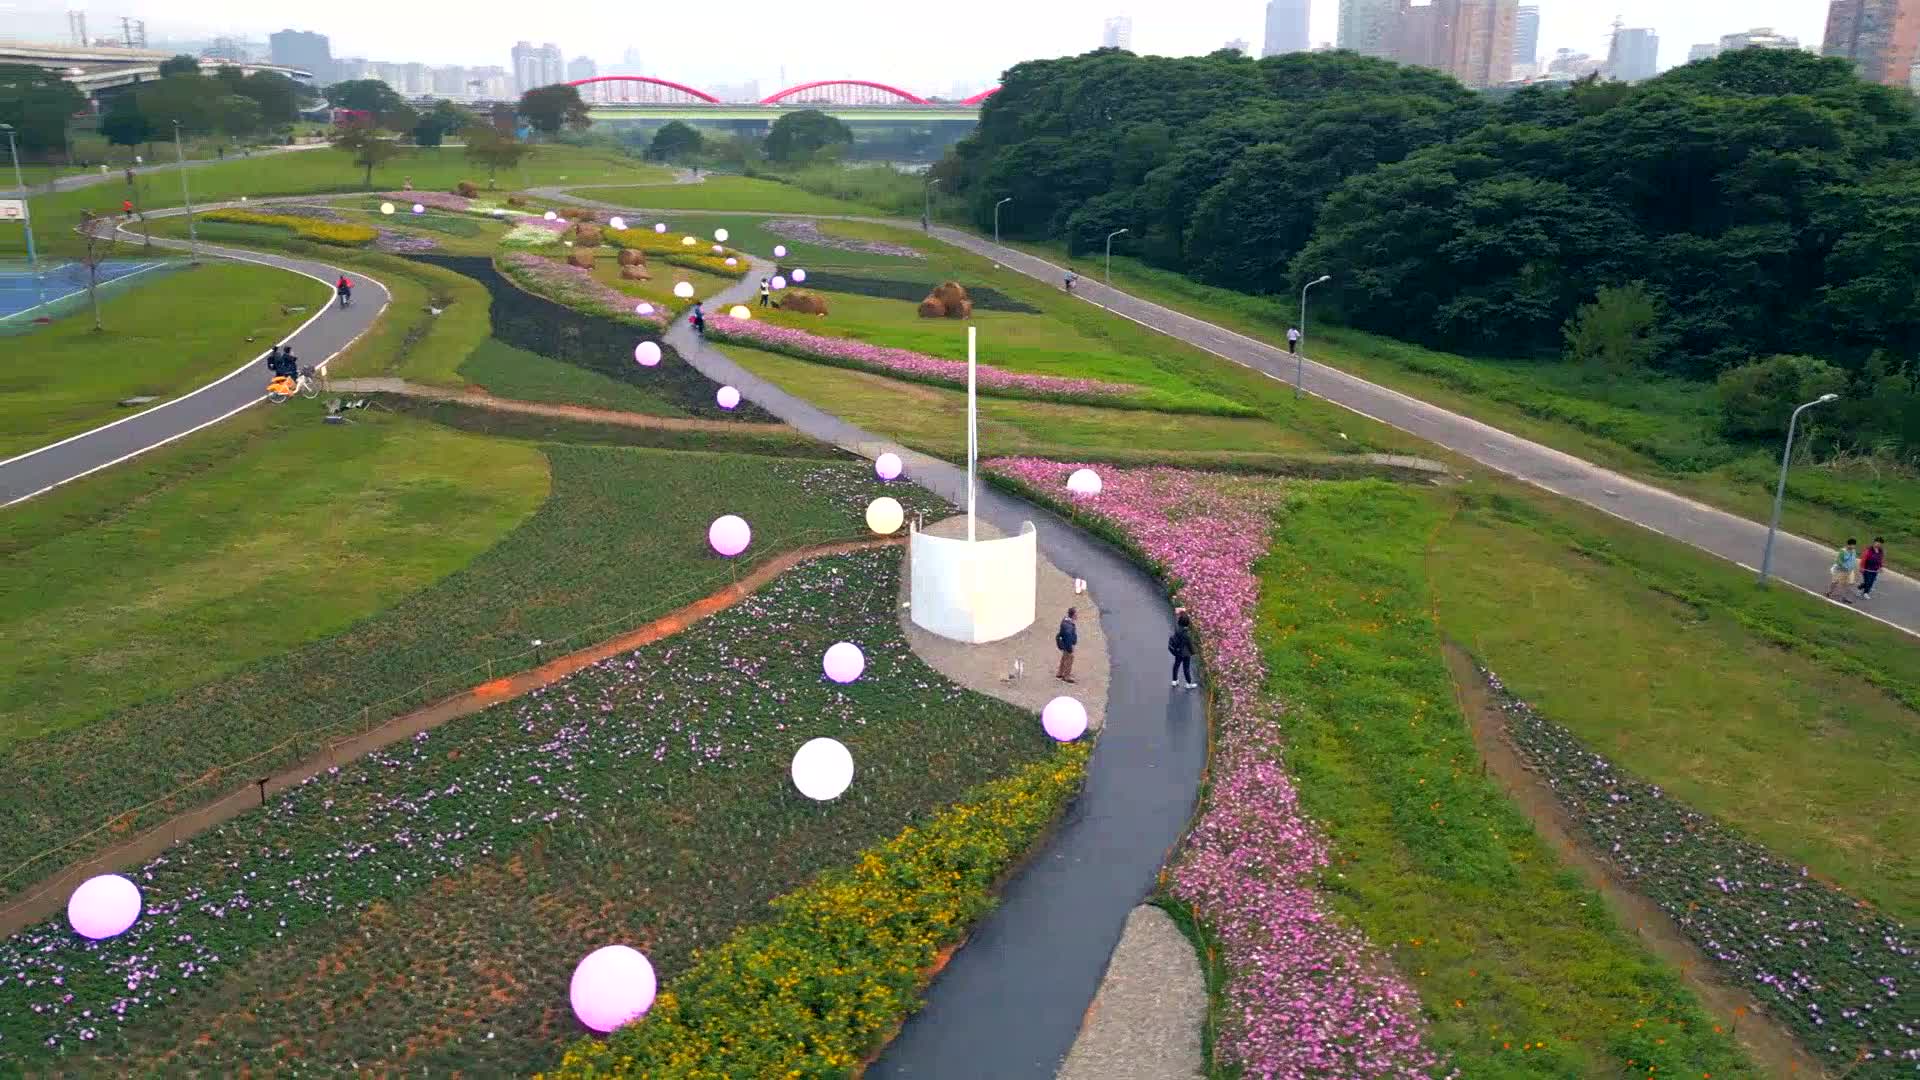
{"type": "Point", "coordinates": [1797, 561]}
{"type": "Point", "coordinates": [316, 342]}
{"type": "Point", "coordinates": [1009, 1005]}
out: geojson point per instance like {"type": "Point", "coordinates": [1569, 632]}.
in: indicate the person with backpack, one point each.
{"type": "Point", "coordinates": [1181, 646]}
{"type": "Point", "coordinates": [1840, 577]}
{"type": "Point", "coordinates": [1065, 639]}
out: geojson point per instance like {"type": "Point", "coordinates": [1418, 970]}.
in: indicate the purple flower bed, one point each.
{"type": "Point", "coordinates": [1835, 970]}
{"type": "Point", "coordinates": [1306, 994]}
{"type": "Point", "coordinates": [312, 213]}
{"type": "Point", "coordinates": [846, 352]}
{"type": "Point", "coordinates": [802, 231]}
{"type": "Point", "coordinates": [400, 243]}
{"type": "Point", "coordinates": [575, 287]}
{"type": "Point", "coordinates": [438, 200]}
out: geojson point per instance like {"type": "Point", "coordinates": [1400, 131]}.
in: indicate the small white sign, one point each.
{"type": "Point", "coordinates": [13, 209]}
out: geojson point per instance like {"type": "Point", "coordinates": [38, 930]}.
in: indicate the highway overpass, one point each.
{"type": "Point", "coordinates": [93, 69]}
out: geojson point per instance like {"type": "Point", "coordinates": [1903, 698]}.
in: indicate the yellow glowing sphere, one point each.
{"type": "Point", "coordinates": [739, 311]}
{"type": "Point", "coordinates": [885, 515]}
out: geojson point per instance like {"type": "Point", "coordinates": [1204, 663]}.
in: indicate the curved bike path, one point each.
{"type": "Point", "coordinates": [1009, 1005]}
{"type": "Point", "coordinates": [316, 342]}
{"type": "Point", "coordinates": [1797, 561]}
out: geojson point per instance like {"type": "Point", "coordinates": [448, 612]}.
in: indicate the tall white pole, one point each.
{"type": "Point", "coordinates": [973, 422]}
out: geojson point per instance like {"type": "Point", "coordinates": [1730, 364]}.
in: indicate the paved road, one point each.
{"type": "Point", "coordinates": [316, 341]}
{"type": "Point", "coordinates": [1797, 561]}
{"type": "Point", "coordinates": [1010, 1004]}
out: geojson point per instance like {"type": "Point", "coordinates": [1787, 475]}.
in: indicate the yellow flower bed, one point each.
{"type": "Point", "coordinates": [814, 990]}
{"type": "Point", "coordinates": [668, 249]}
{"type": "Point", "coordinates": [323, 232]}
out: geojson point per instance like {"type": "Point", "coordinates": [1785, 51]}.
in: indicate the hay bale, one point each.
{"type": "Point", "coordinates": [585, 235]}
{"type": "Point", "coordinates": [466, 189]}
{"type": "Point", "coordinates": [634, 272]}
{"type": "Point", "coordinates": [630, 257]}
{"type": "Point", "coordinates": [516, 200]}
{"type": "Point", "coordinates": [960, 309]}
{"type": "Point", "coordinates": [575, 213]}
{"type": "Point", "coordinates": [806, 303]}
{"type": "Point", "coordinates": [931, 308]}
{"type": "Point", "coordinates": [949, 293]}
{"type": "Point", "coordinates": [581, 258]}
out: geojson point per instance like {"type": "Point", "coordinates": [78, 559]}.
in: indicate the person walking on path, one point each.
{"type": "Point", "coordinates": [699, 320]}
{"type": "Point", "coordinates": [345, 289]}
{"type": "Point", "coordinates": [1293, 339]}
{"type": "Point", "coordinates": [1845, 562]}
{"type": "Point", "coordinates": [1871, 562]}
{"type": "Point", "coordinates": [1070, 279]}
{"type": "Point", "coordinates": [1181, 646]}
{"type": "Point", "coordinates": [766, 293]}
{"type": "Point", "coordinates": [126, 208]}
{"type": "Point", "coordinates": [1065, 639]}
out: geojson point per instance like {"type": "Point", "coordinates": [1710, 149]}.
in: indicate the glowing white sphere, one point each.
{"type": "Point", "coordinates": [386, 208]}
{"type": "Point", "coordinates": [660, 227]}
{"type": "Point", "coordinates": [688, 241]}
{"type": "Point", "coordinates": [779, 251]}
{"type": "Point", "coordinates": [885, 515]}
{"type": "Point", "coordinates": [740, 311]}
{"type": "Point", "coordinates": [731, 261]}
{"type": "Point", "coordinates": [1084, 482]}
{"type": "Point", "coordinates": [844, 662]}
{"type": "Point", "coordinates": [822, 769]}
{"type": "Point", "coordinates": [887, 466]}
{"type": "Point", "coordinates": [643, 309]}
{"type": "Point", "coordinates": [617, 223]}
{"type": "Point", "coordinates": [717, 249]}
{"type": "Point", "coordinates": [799, 275]}
{"type": "Point", "coordinates": [777, 283]}
{"type": "Point", "coordinates": [1064, 718]}
{"type": "Point", "coordinates": [683, 290]}
{"type": "Point", "coordinates": [550, 215]}
{"type": "Point", "coordinates": [720, 235]}
{"type": "Point", "coordinates": [729, 535]}
{"type": "Point", "coordinates": [613, 985]}
{"type": "Point", "coordinates": [419, 209]}
{"type": "Point", "coordinates": [727, 398]}
{"type": "Point", "coordinates": [103, 906]}
{"type": "Point", "coordinates": [647, 353]}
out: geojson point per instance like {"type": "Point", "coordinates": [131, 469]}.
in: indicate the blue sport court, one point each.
{"type": "Point", "coordinates": [22, 300]}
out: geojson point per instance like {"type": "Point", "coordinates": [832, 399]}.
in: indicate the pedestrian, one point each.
{"type": "Point", "coordinates": [220, 151]}
{"type": "Point", "coordinates": [1871, 562]}
{"type": "Point", "coordinates": [1293, 339]}
{"type": "Point", "coordinates": [273, 360]}
{"type": "Point", "coordinates": [1845, 561]}
{"type": "Point", "coordinates": [766, 293]}
{"type": "Point", "coordinates": [1065, 639]}
{"type": "Point", "coordinates": [1070, 279]}
{"type": "Point", "coordinates": [698, 319]}
{"type": "Point", "coordinates": [1181, 646]}
{"type": "Point", "coordinates": [129, 176]}
{"type": "Point", "coordinates": [126, 208]}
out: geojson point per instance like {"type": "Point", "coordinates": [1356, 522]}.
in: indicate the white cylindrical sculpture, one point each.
{"type": "Point", "coordinates": [974, 592]}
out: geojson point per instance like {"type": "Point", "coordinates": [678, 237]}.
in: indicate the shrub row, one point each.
{"type": "Point", "coordinates": [325, 232]}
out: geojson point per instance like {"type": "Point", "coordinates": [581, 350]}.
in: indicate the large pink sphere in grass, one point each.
{"type": "Point", "coordinates": [844, 662]}
{"type": "Point", "coordinates": [729, 535]}
{"type": "Point", "coordinates": [727, 398]}
{"type": "Point", "coordinates": [614, 985]}
{"type": "Point", "coordinates": [660, 227]}
{"type": "Point", "coordinates": [1084, 482]}
{"type": "Point", "coordinates": [104, 906]}
{"type": "Point", "coordinates": [647, 353]}
{"type": "Point", "coordinates": [799, 275]}
{"type": "Point", "coordinates": [887, 466]}
{"type": "Point", "coordinates": [1064, 718]}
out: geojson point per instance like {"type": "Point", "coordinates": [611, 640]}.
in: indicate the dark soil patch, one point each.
{"type": "Point", "coordinates": [910, 291]}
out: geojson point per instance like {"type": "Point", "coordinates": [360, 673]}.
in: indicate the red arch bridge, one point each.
{"type": "Point", "coordinates": [640, 91]}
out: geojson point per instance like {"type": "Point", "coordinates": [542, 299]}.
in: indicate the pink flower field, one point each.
{"type": "Point", "coordinates": [438, 200]}
{"type": "Point", "coordinates": [1307, 995]}
{"type": "Point", "coordinates": [574, 287]}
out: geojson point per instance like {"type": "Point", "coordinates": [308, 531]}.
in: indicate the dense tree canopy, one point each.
{"type": "Point", "coordinates": [364, 95]}
{"type": "Point", "coordinates": [675, 141]}
{"type": "Point", "coordinates": [550, 108]}
{"type": "Point", "coordinates": [37, 102]}
{"type": "Point", "coordinates": [803, 136]}
{"type": "Point", "coordinates": [1767, 203]}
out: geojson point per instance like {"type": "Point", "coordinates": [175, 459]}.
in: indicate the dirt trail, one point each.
{"type": "Point", "coordinates": [1769, 1044]}
{"type": "Point", "coordinates": [479, 398]}
{"type": "Point", "coordinates": [48, 896]}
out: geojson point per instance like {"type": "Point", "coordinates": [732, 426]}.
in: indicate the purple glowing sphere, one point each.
{"type": "Point", "coordinates": [799, 275]}
{"type": "Point", "coordinates": [887, 466]}
{"type": "Point", "coordinates": [647, 353]}
{"type": "Point", "coordinates": [728, 397]}
{"type": "Point", "coordinates": [614, 985]}
{"type": "Point", "coordinates": [844, 662]}
{"type": "Point", "coordinates": [1064, 718]}
{"type": "Point", "coordinates": [779, 251]}
{"type": "Point", "coordinates": [104, 906]}
{"type": "Point", "coordinates": [729, 535]}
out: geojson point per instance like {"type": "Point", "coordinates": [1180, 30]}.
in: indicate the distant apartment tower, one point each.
{"type": "Point", "coordinates": [1472, 40]}
{"type": "Point", "coordinates": [1634, 55]}
{"type": "Point", "coordinates": [1702, 52]}
{"type": "Point", "coordinates": [581, 67]}
{"type": "Point", "coordinates": [1367, 26]}
{"type": "Point", "coordinates": [1287, 27]}
{"type": "Point", "coordinates": [1881, 37]}
{"type": "Point", "coordinates": [1526, 36]}
{"type": "Point", "coordinates": [526, 67]}
{"type": "Point", "coordinates": [1762, 37]}
{"type": "Point", "coordinates": [1240, 46]}
{"type": "Point", "coordinates": [553, 65]}
{"type": "Point", "coordinates": [304, 50]}
{"type": "Point", "coordinates": [1117, 33]}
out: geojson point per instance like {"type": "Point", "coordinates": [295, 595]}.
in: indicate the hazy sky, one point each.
{"type": "Point", "coordinates": [925, 45]}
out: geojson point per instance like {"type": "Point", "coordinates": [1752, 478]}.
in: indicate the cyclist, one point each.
{"type": "Point", "coordinates": [345, 289]}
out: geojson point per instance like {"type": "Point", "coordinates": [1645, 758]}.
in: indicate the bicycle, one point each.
{"type": "Point", "coordinates": [282, 387]}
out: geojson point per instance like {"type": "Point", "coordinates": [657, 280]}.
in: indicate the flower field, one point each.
{"type": "Point", "coordinates": [1836, 971]}
{"type": "Point", "coordinates": [668, 248]}
{"type": "Point", "coordinates": [911, 291]}
{"type": "Point", "coordinates": [607, 798]}
{"type": "Point", "coordinates": [808, 231]}
{"type": "Point", "coordinates": [573, 286]}
{"type": "Point", "coordinates": [339, 234]}
{"type": "Point", "coordinates": [433, 200]}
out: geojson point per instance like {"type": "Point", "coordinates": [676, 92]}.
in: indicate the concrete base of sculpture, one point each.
{"type": "Point", "coordinates": [973, 592]}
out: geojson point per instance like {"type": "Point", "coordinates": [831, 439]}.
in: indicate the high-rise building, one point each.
{"type": "Point", "coordinates": [553, 65]}
{"type": "Point", "coordinates": [304, 50]}
{"type": "Point", "coordinates": [581, 67]}
{"type": "Point", "coordinates": [1240, 46]}
{"type": "Point", "coordinates": [1881, 37]}
{"type": "Point", "coordinates": [1526, 36]}
{"type": "Point", "coordinates": [526, 67]}
{"type": "Point", "coordinates": [1472, 40]}
{"type": "Point", "coordinates": [629, 63]}
{"type": "Point", "coordinates": [1762, 37]}
{"type": "Point", "coordinates": [1702, 52]}
{"type": "Point", "coordinates": [1287, 27]}
{"type": "Point", "coordinates": [1634, 54]}
{"type": "Point", "coordinates": [1368, 26]}
{"type": "Point", "coordinates": [1573, 65]}
{"type": "Point", "coordinates": [1117, 32]}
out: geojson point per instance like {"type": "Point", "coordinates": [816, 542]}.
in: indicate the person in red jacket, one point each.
{"type": "Point", "coordinates": [1871, 562]}
{"type": "Point", "coordinates": [126, 207]}
{"type": "Point", "coordinates": [345, 289]}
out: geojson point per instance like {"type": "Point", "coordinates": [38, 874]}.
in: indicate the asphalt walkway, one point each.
{"type": "Point", "coordinates": [315, 342]}
{"type": "Point", "coordinates": [1009, 1005]}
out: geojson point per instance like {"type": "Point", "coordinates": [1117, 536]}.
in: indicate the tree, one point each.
{"type": "Point", "coordinates": [365, 95]}
{"type": "Point", "coordinates": [1758, 398]}
{"type": "Point", "coordinates": [188, 99]}
{"type": "Point", "coordinates": [124, 124]}
{"type": "Point", "coordinates": [799, 137]}
{"type": "Point", "coordinates": [487, 146]}
{"type": "Point", "coordinates": [366, 146]}
{"type": "Point", "coordinates": [677, 141]}
{"type": "Point", "coordinates": [37, 103]}
{"type": "Point", "coordinates": [279, 97]}
{"type": "Point", "coordinates": [550, 108]}
{"type": "Point", "coordinates": [436, 123]}
{"type": "Point", "coordinates": [1619, 333]}
{"type": "Point", "coordinates": [236, 114]}
{"type": "Point", "coordinates": [180, 64]}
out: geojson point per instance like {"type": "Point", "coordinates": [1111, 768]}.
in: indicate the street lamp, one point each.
{"type": "Point", "coordinates": [926, 216]}
{"type": "Point", "coordinates": [1109, 271]}
{"type": "Point", "coordinates": [180, 153]}
{"type": "Point", "coordinates": [1780, 492]}
{"type": "Point", "coordinates": [1300, 350]}
{"type": "Point", "coordinates": [26, 215]}
{"type": "Point", "coordinates": [996, 217]}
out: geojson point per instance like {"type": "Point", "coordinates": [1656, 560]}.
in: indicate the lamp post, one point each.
{"type": "Point", "coordinates": [26, 215]}
{"type": "Point", "coordinates": [996, 217]}
{"type": "Point", "coordinates": [1109, 270]}
{"type": "Point", "coordinates": [1780, 492]}
{"type": "Point", "coordinates": [1300, 350]}
{"type": "Point", "coordinates": [180, 154]}
{"type": "Point", "coordinates": [926, 216]}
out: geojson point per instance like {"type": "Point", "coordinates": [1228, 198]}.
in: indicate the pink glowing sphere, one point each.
{"type": "Point", "coordinates": [103, 907]}
{"type": "Point", "coordinates": [1064, 718]}
{"type": "Point", "coordinates": [777, 283]}
{"type": "Point", "coordinates": [661, 227]}
{"type": "Point", "coordinates": [779, 251]}
{"type": "Point", "coordinates": [614, 985]}
{"type": "Point", "coordinates": [646, 354]}
{"type": "Point", "coordinates": [799, 275]}
{"type": "Point", "coordinates": [617, 223]}
{"type": "Point", "coordinates": [419, 209]}
{"type": "Point", "coordinates": [888, 466]}
{"type": "Point", "coordinates": [844, 662]}
{"type": "Point", "coordinates": [643, 309]}
{"type": "Point", "coordinates": [731, 261]}
{"type": "Point", "coordinates": [728, 397]}
{"type": "Point", "coordinates": [1084, 482]}
{"type": "Point", "coordinates": [729, 535]}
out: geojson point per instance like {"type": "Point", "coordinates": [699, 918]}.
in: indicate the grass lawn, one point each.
{"type": "Point", "coordinates": [164, 337]}
{"type": "Point", "coordinates": [1662, 673]}
{"type": "Point", "coordinates": [621, 538]}
{"type": "Point", "coordinates": [504, 371]}
{"type": "Point", "coordinates": [664, 276]}
{"type": "Point", "coordinates": [749, 232]}
{"type": "Point", "coordinates": [589, 813]}
{"type": "Point", "coordinates": [724, 193]}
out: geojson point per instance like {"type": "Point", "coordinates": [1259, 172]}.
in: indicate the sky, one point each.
{"type": "Point", "coordinates": [925, 46]}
